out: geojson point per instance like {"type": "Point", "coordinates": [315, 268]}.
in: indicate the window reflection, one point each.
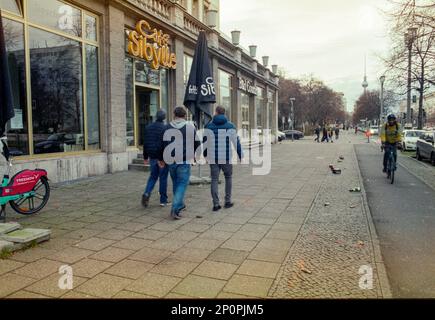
{"type": "Point", "coordinates": [129, 101]}
{"type": "Point", "coordinates": [11, 6]}
{"type": "Point", "coordinates": [92, 96]}
{"type": "Point", "coordinates": [91, 28]}
{"type": "Point", "coordinates": [57, 104]}
{"type": "Point", "coordinates": [225, 91]}
{"type": "Point", "coordinates": [56, 14]}
{"type": "Point", "coordinates": [145, 74]}
{"type": "Point", "coordinates": [17, 128]}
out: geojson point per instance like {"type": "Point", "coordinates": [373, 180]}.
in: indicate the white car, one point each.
{"type": "Point", "coordinates": [374, 130]}
{"type": "Point", "coordinates": [410, 137]}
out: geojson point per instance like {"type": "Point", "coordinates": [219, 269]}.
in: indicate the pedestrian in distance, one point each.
{"type": "Point", "coordinates": [151, 151]}
{"type": "Point", "coordinates": [317, 132]}
{"type": "Point", "coordinates": [325, 134]}
{"type": "Point", "coordinates": [225, 137]}
{"type": "Point", "coordinates": [181, 155]}
{"type": "Point", "coordinates": [337, 132]}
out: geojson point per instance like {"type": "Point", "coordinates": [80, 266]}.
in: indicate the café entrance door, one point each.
{"type": "Point", "coordinates": [147, 104]}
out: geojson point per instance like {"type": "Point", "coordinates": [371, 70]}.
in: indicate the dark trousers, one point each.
{"type": "Point", "coordinates": [215, 170]}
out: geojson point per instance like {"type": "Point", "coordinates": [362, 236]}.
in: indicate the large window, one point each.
{"type": "Point", "coordinates": [129, 100]}
{"type": "Point", "coordinates": [245, 116]}
{"type": "Point", "coordinates": [17, 128]}
{"type": "Point", "coordinates": [225, 91]}
{"type": "Point", "coordinates": [260, 107]}
{"type": "Point", "coordinates": [271, 105]}
{"type": "Point", "coordinates": [62, 77]}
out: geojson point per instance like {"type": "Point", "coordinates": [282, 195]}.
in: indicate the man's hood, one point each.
{"type": "Point", "coordinates": [220, 119]}
{"type": "Point", "coordinates": [178, 123]}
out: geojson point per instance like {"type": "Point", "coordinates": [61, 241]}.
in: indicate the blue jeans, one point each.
{"type": "Point", "coordinates": [180, 174]}
{"type": "Point", "coordinates": [158, 174]}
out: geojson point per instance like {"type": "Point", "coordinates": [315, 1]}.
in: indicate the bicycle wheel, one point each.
{"type": "Point", "coordinates": [34, 204]}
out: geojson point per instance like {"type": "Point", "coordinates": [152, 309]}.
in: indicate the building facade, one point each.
{"type": "Point", "coordinates": [87, 76]}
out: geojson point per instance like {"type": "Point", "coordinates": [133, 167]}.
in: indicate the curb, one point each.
{"type": "Point", "coordinates": [384, 282]}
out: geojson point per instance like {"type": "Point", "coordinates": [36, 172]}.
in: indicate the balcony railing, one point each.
{"type": "Point", "coordinates": [159, 8]}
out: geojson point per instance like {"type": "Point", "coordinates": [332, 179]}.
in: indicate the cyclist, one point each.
{"type": "Point", "coordinates": [391, 136]}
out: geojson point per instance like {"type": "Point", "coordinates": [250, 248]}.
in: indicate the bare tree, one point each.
{"type": "Point", "coordinates": [414, 20]}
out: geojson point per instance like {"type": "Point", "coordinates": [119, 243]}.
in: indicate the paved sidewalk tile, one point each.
{"type": "Point", "coordinates": [199, 287]}
{"type": "Point", "coordinates": [95, 244]}
{"type": "Point", "coordinates": [112, 254]}
{"type": "Point", "coordinates": [259, 268]}
{"type": "Point", "coordinates": [130, 269]}
{"type": "Point", "coordinates": [217, 270]}
{"type": "Point", "coordinates": [89, 268]}
{"type": "Point", "coordinates": [39, 269]}
{"type": "Point", "coordinates": [70, 255]}
{"type": "Point", "coordinates": [150, 255]}
{"type": "Point", "coordinates": [228, 256]}
{"type": "Point", "coordinates": [249, 286]}
{"type": "Point", "coordinates": [104, 285]}
{"type": "Point", "coordinates": [154, 284]}
{"type": "Point", "coordinates": [50, 286]}
{"type": "Point", "coordinates": [11, 283]}
{"type": "Point", "coordinates": [9, 265]}
{"type": "Point", "coordinates": [115, 234]}
{"type": "Point", "coordinates": [132, 243]}
{"type": "Point", "coordinates": [173, 267]}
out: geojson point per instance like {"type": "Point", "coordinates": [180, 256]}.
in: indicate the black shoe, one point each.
{"type": "Point", "coordinates": [384, 170]}
{"type": "Point", "coordinates": [217, 208]}
{"type": "Point", "coordinates": [182, 208]}
{"type": "Point", "coordinates": [229, 205]}
{"type": "Point", "coordinates": [175, 215]}
{"type": "Point", "coordinates": [145, 199]}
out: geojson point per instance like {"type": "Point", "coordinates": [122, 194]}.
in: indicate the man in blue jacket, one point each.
{"type": "Point", "coordinates": [152, 146]}
{"type": "Point", "coordinates": [225, 136]}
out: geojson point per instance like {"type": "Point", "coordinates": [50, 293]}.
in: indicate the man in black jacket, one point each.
{"type": "Point", "coordinates": [152, 146]}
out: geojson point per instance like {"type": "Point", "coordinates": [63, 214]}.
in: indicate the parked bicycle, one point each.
{"type": "Point", "coordinates": [27, 192]}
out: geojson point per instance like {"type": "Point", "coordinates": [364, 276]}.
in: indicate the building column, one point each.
{"type": "Point", "coordinates": [201, 11]}
{"type": "Point", "coordinates": [178, 86]}
{"type": "Point", "coordinates": [115, 91]}
{"type": "Point", "coordinates": [275, 117]}
{"type": "Point", "coordinates": [266, 120]}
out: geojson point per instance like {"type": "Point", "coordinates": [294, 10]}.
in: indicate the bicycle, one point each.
{"type": "Point", "coordinates": [391, 162]}
{"type": "Point", "coordinates": [27, 191]}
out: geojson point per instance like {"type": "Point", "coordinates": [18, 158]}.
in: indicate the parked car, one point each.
{"type": "Point", "coordinates": [55, 143]}
{"type": "Point", "coordinates": [296, 134]}
{"type": "Point", "coordinates": [281, 136]}
{"type": "Point", "coordinates": [425, 147]}
{"type": "Point", "coordinates": [374, 130]}
{"type": "Point", "coordinates": [410, 138]}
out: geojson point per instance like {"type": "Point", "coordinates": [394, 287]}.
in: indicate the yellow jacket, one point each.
{"type": "Point", "coordinates": [391, 134]}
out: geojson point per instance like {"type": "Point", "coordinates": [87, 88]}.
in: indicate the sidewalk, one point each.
{"type": "Point", "coordinates": [280, 240]}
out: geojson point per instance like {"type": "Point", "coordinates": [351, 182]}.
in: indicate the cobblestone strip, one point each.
{"type": "Point", "coordinates": [334, 242]}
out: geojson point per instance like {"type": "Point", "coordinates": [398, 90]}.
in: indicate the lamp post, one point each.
{"type": "Point", "coordinates": [381, 115]}
{"type": "Point", "coordinates": [409, 39]}
{"type": "Point", "coordinates": [292, 112]}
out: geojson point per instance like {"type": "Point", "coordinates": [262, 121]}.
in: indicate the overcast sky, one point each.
{"type": "Point", "coordinates": [325, 38]}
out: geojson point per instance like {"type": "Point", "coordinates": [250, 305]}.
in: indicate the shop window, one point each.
{"type": "Point", "coordinates": [93, 98]}
{"type": "Point", "coordinates": [245, 116]}
{"type": "Point", "coordinates": [225, 91]}
{"type": "Point", "coordinates": [57, 95]}
{"type": "Point", "coordinates": [145, 74]}
{"type": "Point", "coordinates": [187, 66]}
{"type": "Point", "coordinates": [129, 101]}
{"type": "Point", "coordinates": [91, 28]}
{"type": "Point", "coordinates": [13, 6]}
{"type": "Point", "coordinates": [57, 15]}
{"type": "Point", "coordinates": [260, 107]}
{"type": "Point", "coordinates": [17, 128]}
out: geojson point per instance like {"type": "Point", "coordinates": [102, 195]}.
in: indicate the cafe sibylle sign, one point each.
{"type": "Point", "coordinates": [152, 45]}
{"type": "Point", "coordinates": [247, 86]}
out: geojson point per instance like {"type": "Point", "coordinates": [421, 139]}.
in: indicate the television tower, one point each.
{"type": "Point", "coordinates": [365, 84]}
